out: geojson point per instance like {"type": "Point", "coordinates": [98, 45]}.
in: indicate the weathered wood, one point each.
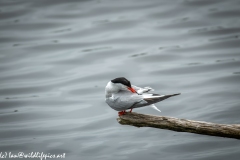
{"type": "Point", "coordinates": [180, 125]}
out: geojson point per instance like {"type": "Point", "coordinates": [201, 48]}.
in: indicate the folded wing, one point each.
{"type": "Point", "coordinates": [154, 98]}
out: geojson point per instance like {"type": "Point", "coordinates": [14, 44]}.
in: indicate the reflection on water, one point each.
{"type": "Point", "coordinates": [57, 56]}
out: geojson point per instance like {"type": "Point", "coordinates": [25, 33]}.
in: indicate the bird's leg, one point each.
{"type": "Point", "coordinates": [130, 110]}
{"type": "Point", "coordinates": [121, 113]}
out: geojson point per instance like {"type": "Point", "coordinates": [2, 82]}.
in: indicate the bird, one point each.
{"type": "Point", "coordinates": [121, 96]}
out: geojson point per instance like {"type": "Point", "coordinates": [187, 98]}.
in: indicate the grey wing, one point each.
{"type": "Point", "coordinates": [142, 90]}
{"type": "Point", "coordinates": [157, 98]}
{"type": "Point", "coordinates": [126, 101]}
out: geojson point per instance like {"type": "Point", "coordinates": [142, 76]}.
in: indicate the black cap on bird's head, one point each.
{"type": "Point", "coordinates": [122, 80]}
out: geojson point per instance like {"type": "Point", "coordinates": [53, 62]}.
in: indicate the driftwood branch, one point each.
{"type": "Point", "coordinates": [180, 125]}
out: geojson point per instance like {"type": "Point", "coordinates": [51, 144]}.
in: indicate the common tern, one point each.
{"type": "Point", "coordinates": [121, 96]}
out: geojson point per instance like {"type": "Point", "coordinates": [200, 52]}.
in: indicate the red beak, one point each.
{"type": "Point", "coordinates": [132, 90]}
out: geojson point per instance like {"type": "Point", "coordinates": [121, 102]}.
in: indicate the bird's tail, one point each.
{"type": "Point", "coordinates": [154, 107]}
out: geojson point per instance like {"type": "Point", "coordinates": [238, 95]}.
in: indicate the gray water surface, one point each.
{"type": "Point", "coordinates": [57, 56]}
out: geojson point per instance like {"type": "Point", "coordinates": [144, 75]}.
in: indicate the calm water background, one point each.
{"type": "Point", "coordinates": [57, 56]}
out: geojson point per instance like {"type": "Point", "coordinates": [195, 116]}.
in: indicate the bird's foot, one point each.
{"type": "Point", "coordinates": [121, 113]}
{"type": "Point", "coordinates": [131, 111]}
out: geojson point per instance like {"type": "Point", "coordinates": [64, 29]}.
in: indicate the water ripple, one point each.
{"type": "Point", "coordinates": [57, 56]}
